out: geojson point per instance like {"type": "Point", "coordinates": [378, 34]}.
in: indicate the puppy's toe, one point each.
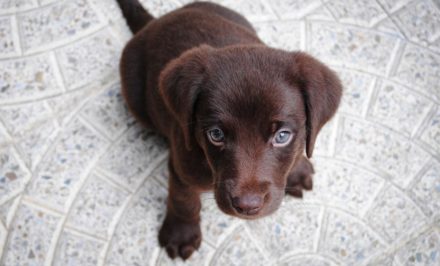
{"type": "Point", "coordinates": [307, 182]}
{"type": "Point", "coordinates": [186, 251]}
{"type": "Point", "coordinates": [180, 239]}
{"type": "Point", "coordinates": [295, 191]}
{"type": "Point", "coordinates": [171, 251]}
{"type": "Point", "coordinates": [301, 178]}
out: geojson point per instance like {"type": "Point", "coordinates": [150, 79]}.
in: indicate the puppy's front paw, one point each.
{"type": "Point", "coordinates": [300, 178]}
{"type": "Point", "coordinates": [180, 238]}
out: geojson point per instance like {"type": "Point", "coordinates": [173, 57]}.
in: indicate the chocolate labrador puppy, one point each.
{"type": "Point", "coordinates": [237, 114]}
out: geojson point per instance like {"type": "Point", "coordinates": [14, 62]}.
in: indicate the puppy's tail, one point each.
{"type": "Point", "coordinates": [137, 17]}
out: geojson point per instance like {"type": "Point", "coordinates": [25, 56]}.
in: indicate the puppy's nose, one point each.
{"type": "Point", "coordinates": [248, 204]}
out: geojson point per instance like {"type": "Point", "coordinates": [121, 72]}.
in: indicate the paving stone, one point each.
{"type": "Point", "coordinates": [364, 13]}
{"type": "Point", "coordinates": [343, 185]}
{"type": "Point", "coordinates": [279, 237]}
{"type": "Point", "coordinates": [393, 5]}
{"type": "Point", "coordinates": [65, 164]}
{"type": "Point", "coordinates": [12, 6]}
{"type": "Point", "coordinates": [389, 27]}
{"type": "Point", "coordinates": [399, 108]}
{"type": "Point", "coordinates": [349, 241]}
{"type": "Point", "coordinates": [357, 87]}
{"type": "Point", "coordinates": [13, 174]}
{"type": "Point", "coordinates": [197, 258]}
{"type": "Point", "coordinates": [32, 126]}
{"type": "Point", "coordinates": [108, 112]}
{"type": "Point", "coordinates": [56, 23]}
{"type": "Point", "coordinates": [8, 42]}
{"type": "Point", "coordinates": [426, 191]}
{"type": "Point", "coordinates": [420, 21]}
{"type": "Point", "coordinates": [431, 132]}
{"type": "Point", "coordinates": [377, 149]}
{"type": "Point", "coordinates": [29, 237]}
{"type": "Point", "coordinates": [73, 249]}
{"type": "Point", "coordinates": [132, 156]}
{"type": "Point", "coordinates": [254, 11]}
{"type": "Point", "coordinates": [96, 206]}
{"type": "Point", "coordinates": [3, 234]}
{"type": "Point", "coordinates": [7, 210]}
{"type": "Point", "coordinates": [283, 35]}
{"type": "Point", "coordinates": [215, 224]}
{"type": "Point", "coordinates": [307, 260]}
{"type": "Point", "coordinates": [239, 250]}
{"type": "Point", "coordinates": [325, 138]}
{"type": "Point", "coordinates": [384, 260]}
{"type": "Point", "coordinates": [352, 47]}
{"type": "Point", "coordinates": [28, 78]}
{"type": "Point", "coordinates": [160, 7]}
{"type": "Point", "coordinates": [321, 13]}
{"type": "Point", "coordinates": [294, 9]}
{"type": "Point", "coordinates": [420, 67]}
{"type": "Point", "coordinates": [66, 106]}
{"type": "Point", "coordinates": [393, 215]}
{"type": "Point", "coordinates": [422, 250]}
{"type": "Point", "coordinates": [134, 241]}
{"type": "Point", "coordinates": [90, 59]}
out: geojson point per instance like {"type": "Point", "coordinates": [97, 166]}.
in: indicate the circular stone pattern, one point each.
{"type": "Point", "coordinates": [81, 183]}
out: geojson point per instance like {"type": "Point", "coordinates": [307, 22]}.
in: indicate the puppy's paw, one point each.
{"type": "Point", "coordinates": [179, 238]}
{"type": "Point", "coordinates": [301, 178]}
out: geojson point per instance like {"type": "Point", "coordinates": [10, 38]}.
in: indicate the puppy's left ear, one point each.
{"type": "Point", "coordinates": [180, 84]}
{"type": "Point", "coordinates": [321, 90]}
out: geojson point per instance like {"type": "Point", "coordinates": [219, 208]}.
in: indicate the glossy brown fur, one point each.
{"type": "Point", "coordinates": [203, 66]}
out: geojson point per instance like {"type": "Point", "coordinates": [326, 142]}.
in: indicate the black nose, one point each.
{"type": "Point", "coordinates": [248, 204]}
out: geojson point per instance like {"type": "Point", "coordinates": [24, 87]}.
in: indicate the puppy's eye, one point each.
{"type": "Point", "coordinates": [282, 138]}
{"type": "Point", "coordinates": [216, 136]}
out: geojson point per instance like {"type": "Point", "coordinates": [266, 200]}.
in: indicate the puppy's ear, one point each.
{"type": "Point", "coordinates": [180, 84]}
{"type": "Point", "coordinates": [321, 90]}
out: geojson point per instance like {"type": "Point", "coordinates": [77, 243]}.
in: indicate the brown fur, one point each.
{"type": "Point", "coordinates": [203, 66]}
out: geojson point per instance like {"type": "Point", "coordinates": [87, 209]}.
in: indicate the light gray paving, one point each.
{"type": "Point", "coordinates": [81, 183]}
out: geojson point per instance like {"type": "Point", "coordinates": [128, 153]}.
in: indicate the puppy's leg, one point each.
{"type": "Point", "coordinates": [180, 234]}
{"type": "Point", "coordinates": [300, 178]}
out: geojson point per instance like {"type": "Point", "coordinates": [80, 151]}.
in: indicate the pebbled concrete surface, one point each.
{"type": "Point", "coordinates": [82, 184]}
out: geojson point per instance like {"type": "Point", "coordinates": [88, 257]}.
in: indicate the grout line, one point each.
{"type": "Point", "coordinates": [57, 71]}
{"type": "Point", "coordinates": [373, 91]}
{"type": "Point", "coordinates": [396, 58]}
{"type": "Point", "coordinates": [117, 219]}
{"type": "Point", "coordinates": [379, 191]}
{"type": "Point", "coordinates": [307, 31]}
{"type": "Point", "coordinates": [418, 129]}
{"type": "Point", "coordinates": [16, 37]}
{"type": "Point", "coordinates": [74, 193]}
{"type": "Point", "coordinates": [320, 231]}
{"type": "Point", "coordinates": [333, 136]}
{"type": "Point", "coordinates": [391, 17]}
{"type": "Point", "coordinates": [262, 250]}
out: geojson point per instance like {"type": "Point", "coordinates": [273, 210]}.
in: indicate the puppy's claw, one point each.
{"type": "Point", "coordinates": [307, 182]}
{"type": "Point", "coordinates": [295, 191]}
{"type": "Point", "coordinates": [186, 251]}
{"type": "Point", "coordinates": [171, 251]}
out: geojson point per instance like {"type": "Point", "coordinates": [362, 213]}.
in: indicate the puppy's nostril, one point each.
{"type": "Point", "coordinates": [248, 204]}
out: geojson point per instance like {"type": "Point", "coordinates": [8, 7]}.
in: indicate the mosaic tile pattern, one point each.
{"type": "Point", "coordinates": [81, 183]}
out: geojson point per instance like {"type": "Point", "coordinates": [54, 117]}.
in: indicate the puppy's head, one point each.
{"type": "Point", "coordinates": [252, 110]}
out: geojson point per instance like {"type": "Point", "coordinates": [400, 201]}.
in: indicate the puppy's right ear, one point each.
{"type": "Point", "coordinates": [180, 84]}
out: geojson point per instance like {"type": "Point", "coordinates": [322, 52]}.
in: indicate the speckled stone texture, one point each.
{"type": "Point", "coordinates": [81, 183]}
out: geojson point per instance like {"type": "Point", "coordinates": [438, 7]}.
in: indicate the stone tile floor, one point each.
{"type": "Point", "coordinates": [82, 184]}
